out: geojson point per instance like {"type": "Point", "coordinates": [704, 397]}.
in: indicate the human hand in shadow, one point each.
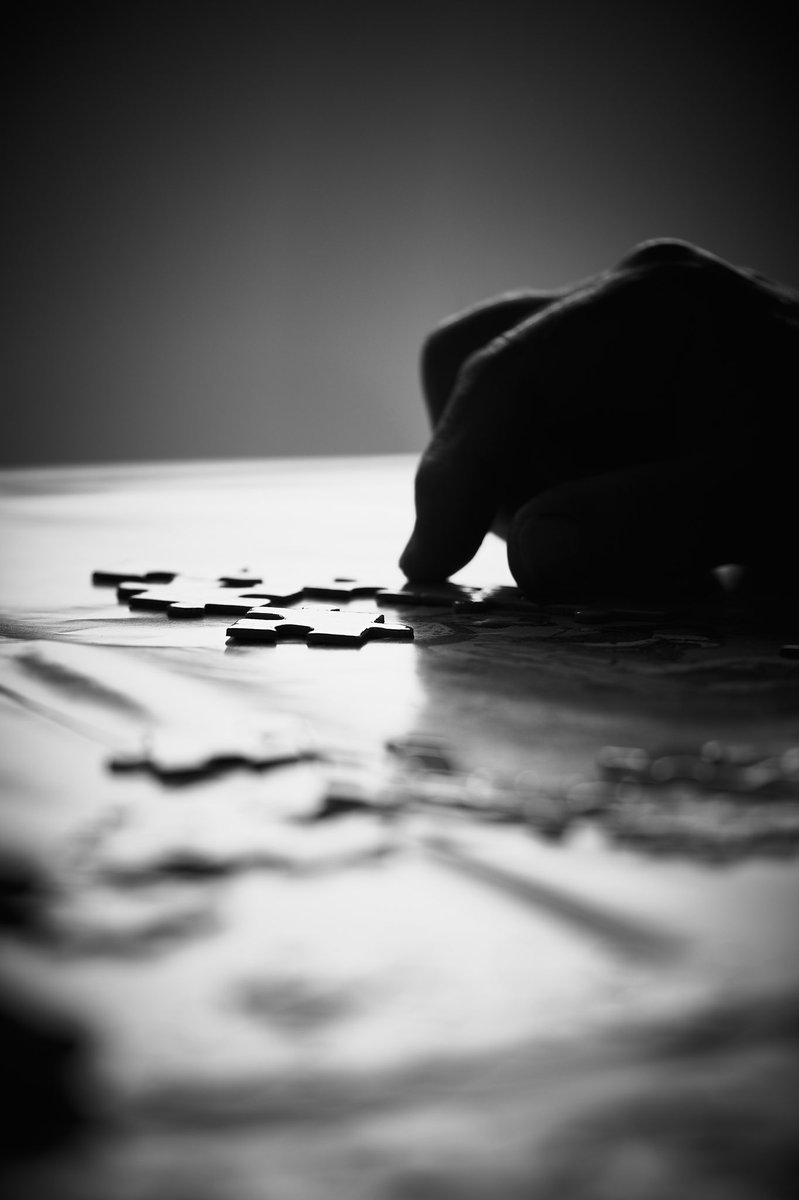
{"type": "Point", "coordinates": [634, 429]}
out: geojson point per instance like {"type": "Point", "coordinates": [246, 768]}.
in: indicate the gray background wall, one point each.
{"type": "Point", "coordinates": [229, 225]}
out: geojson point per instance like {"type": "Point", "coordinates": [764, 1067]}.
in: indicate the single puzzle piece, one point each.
{"type": "Point", "coordinates": [317, 627]}
{"type": "Point", "coordinates": [341, 587]}
{"type": "Point", "coordinates": [179, 753]}
{"type": "Point", "coordinates": [267, 587]}
{"type": "Point", "coordinates": [710, 826]}
{"type": "Point", "coordinates": [439, 595]}
{"type": "Point", "coordinates": [240, 579]}
{"type": "Point", "coordinates": [183, 610]}
{"type": "Point", "coordinates": [423, 753]}
{"type": "Point", "coordinates": [123, 572]}
{"type": "Point", "coordinates": [203, 597]}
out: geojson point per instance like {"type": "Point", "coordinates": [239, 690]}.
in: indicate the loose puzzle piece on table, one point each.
{"type": "Point", "coordinates": [317, 627]}
{"type": "Point", "coordinates": [181, 752]}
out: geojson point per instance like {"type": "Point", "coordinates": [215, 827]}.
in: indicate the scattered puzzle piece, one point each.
{"type": "Point", "coordinates": [317, 627]}
{"type": "Point", "coordinates": [712, 826]}
{"type": "Point", "coordinates": [267, 587]}
{"type": "Point", "coordinates": [209, 599]}
{"type": "Point", "coordinates": [111, 576]}
{"type": "Point", "coordinates": [439, 595]}
{"type": "Point", "coordinates": [182, 753]}
{"type": "Point", "coordinates": [422, 753]}
{"type": "Point", "coordinates": [341, 587]}
{"type": "Point", "coordinates": [185, 610]}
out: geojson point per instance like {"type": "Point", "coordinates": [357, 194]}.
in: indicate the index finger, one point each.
{"type": "Point", "coordinates": [455, 340]}
{"type": "Point", "coordinates": [462, 472]}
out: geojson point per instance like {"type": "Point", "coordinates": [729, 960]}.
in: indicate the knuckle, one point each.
{"type": "Point", "coordinates": [663, 251]}
{"type": "Point", "coordinates": [669, 272]}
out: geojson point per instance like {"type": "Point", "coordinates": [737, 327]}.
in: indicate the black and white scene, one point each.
{"type": "Point", "coordinates": [399, 601]}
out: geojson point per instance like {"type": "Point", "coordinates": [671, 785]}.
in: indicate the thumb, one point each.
{"type": "Point", "coordinates": [615, 532]}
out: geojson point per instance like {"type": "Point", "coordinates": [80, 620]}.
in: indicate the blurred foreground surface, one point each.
{"type": "Point", "coordinates": [357, 973]}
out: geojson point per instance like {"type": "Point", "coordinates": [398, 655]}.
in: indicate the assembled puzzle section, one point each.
{"type": "Point", "coordinates": [252, 599]}
{"type": "Point", "coordinates": [156, 587]}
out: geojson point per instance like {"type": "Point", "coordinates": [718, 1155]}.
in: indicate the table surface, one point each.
{"type": "Point", "coordinates": [407, 1001]}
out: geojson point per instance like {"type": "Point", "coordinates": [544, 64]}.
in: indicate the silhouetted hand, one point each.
{"type": "Point", "coordinates": [637, 427]}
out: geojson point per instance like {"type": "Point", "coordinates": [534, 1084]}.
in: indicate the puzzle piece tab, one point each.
{"type": "Point", "coordinates": [316, 627]}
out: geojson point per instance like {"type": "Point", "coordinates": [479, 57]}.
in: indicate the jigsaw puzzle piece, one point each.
{"type": "Point", "coordinates": [440, 595]}
{"type": "Point", "coordinates": [345, 628]}
{"type": "Point", "coordinates": [157, 598]}
{"type": "Point", "coordinates": [227, 600]}
{"type": "Point", "coordinates": [266, 589]}
{"type": "Point", "coordinates": [342, 587]}
{"type": "Point", "coordinates": [248, 630]}
{"type": "Point", "coordinates": [267, 626]}
{"type": "Point", "coordinates": [317, 627]}
{"type": "Point", "coordinates": [113, 576]}
{"type": "Point", "coordinates": [388, 631]}
{"type": "Point", "coordinates": [191, 594]}
{"type": "Point", "coordinates": [185, 610]}
{"type": "Point", "coordinates": [239, 579]}
{"type": "Point", "coordinates": [131, 587]}
{"type": "Point", "coordinates": [277, 591]}
{"type": "Point", "coordinates": [178, 753]}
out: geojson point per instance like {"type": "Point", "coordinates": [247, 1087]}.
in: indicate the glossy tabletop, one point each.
{"type": "Point", "coordinates": [422, 991]}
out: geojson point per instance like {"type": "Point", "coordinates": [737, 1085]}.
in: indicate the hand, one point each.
{"type": "Point", "coordinates": [635, 428]}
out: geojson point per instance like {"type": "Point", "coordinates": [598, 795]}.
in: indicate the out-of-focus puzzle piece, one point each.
{"type": "Point", "coordinates": [122, 572]}
{"type": "Point", "coordinates": [177, 752]}
{"type": "Point", "coordinates": [316, 627]}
